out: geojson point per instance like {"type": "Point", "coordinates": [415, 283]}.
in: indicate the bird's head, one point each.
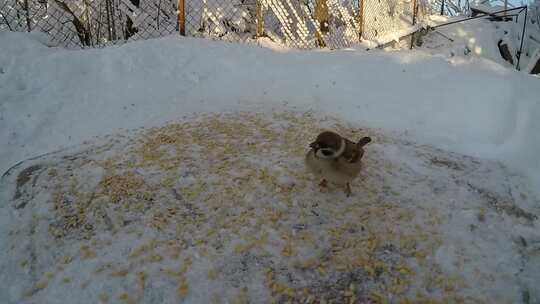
{"type": "Point", "coordinates": [328, 145]}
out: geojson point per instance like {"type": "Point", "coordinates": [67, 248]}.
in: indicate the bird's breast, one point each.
{"type": "Point", "coordinates": [334, 170]}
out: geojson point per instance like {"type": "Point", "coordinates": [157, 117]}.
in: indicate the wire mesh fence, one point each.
{"type": "Point", "coordinates": [293, 23]}
{"type": "Point", "coordinates": [90, 23]}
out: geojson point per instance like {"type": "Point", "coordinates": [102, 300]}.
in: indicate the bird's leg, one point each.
{"type": "Point", "coordinates": [348, 189]}
{"type": "Point", "coordinates": [323, 184]}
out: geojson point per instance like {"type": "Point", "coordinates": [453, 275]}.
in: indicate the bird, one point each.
{"type": "Point", "coordinates": [335, 158]}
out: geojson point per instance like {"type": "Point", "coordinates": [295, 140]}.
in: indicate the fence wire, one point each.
{"type": "Point", "coordinates": [294, 23]}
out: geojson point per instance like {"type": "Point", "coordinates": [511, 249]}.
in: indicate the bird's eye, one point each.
{"type": "Point", "coordinates": [327, 152]}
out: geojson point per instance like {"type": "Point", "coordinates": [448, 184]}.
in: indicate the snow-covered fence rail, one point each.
{"type": "Point", "coordinates": [295, 23]}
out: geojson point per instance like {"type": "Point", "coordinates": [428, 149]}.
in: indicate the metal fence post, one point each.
{"type": "Point", "coordinates": [182, 17]}
{"type": "Point", "coordinates": [442, 7]}
{"type": "Point", "coordinates": [522, 38]}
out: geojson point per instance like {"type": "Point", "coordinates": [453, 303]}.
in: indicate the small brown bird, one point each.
{"type": "Point", "coordinates": [335, 158]}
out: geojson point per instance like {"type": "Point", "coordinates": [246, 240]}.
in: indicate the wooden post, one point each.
{"type": "Point", "coordinates": [321, 15]}
{"type": "Point", "coordinates": [182, 17]}
{"type": "Point", "coordinates": [415, 10]}
{"type": "Point", "coordinates": [28, 20]}
{"type": "Point", "coordinates": [505, 8]}
{"type": "Point", "coordinates": [260, 19]}
{"type": "Point", "coordinates": [413, 21]}
{"type": "Point", "coordinates": [360, 19]}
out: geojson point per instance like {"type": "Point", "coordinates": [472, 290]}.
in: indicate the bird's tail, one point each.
{"type": "Point", "coordinates": [364, 141]}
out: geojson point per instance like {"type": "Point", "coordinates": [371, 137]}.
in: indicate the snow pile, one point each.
{"type": "Point", "coordinates": [52, 97]}
{"type": "Point", "coordinates": [218, 208]}
{"type": "Point", "coordinates": [532, 32]}
{"type": "Point", "coordinates": [233, 20]}
{"type": "Point", "coordinates": [480, 37]}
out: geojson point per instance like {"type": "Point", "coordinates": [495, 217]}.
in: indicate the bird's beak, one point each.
{"type": "Point", "coordinates": [314, 145]}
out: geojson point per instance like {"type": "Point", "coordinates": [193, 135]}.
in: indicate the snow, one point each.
{"type": "Point", "coordinates": [464, 210]}
{"type": "Point", "coordinates": [478, 36]}
{"type": "Point", "coordinates": [481, 36]}
{"type": "Point", "coordinates": [488, 7]}
{"type": "Point", "coordinates": [393, 36]}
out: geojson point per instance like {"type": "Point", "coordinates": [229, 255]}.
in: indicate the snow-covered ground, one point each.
{"type": "Point", "coordinates": [219, 205]}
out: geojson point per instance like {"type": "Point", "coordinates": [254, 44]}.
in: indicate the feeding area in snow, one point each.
{"type": "Point", "coordinates": [200, 194]}
{"type": "Point", "coordinates": [219, 208]}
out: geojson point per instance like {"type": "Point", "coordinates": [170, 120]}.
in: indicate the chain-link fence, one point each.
{"type": "Point", "coordinates": [89, 23]}
{"type": "Point", "coordinates": [294, 23]}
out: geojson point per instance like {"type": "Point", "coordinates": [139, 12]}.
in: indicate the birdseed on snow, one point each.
{"type": "Point", "coordinates": [223, 200]}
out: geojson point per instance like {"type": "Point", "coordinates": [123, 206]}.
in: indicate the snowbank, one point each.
{"type": "Point", "coordinates": [52, 97]}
